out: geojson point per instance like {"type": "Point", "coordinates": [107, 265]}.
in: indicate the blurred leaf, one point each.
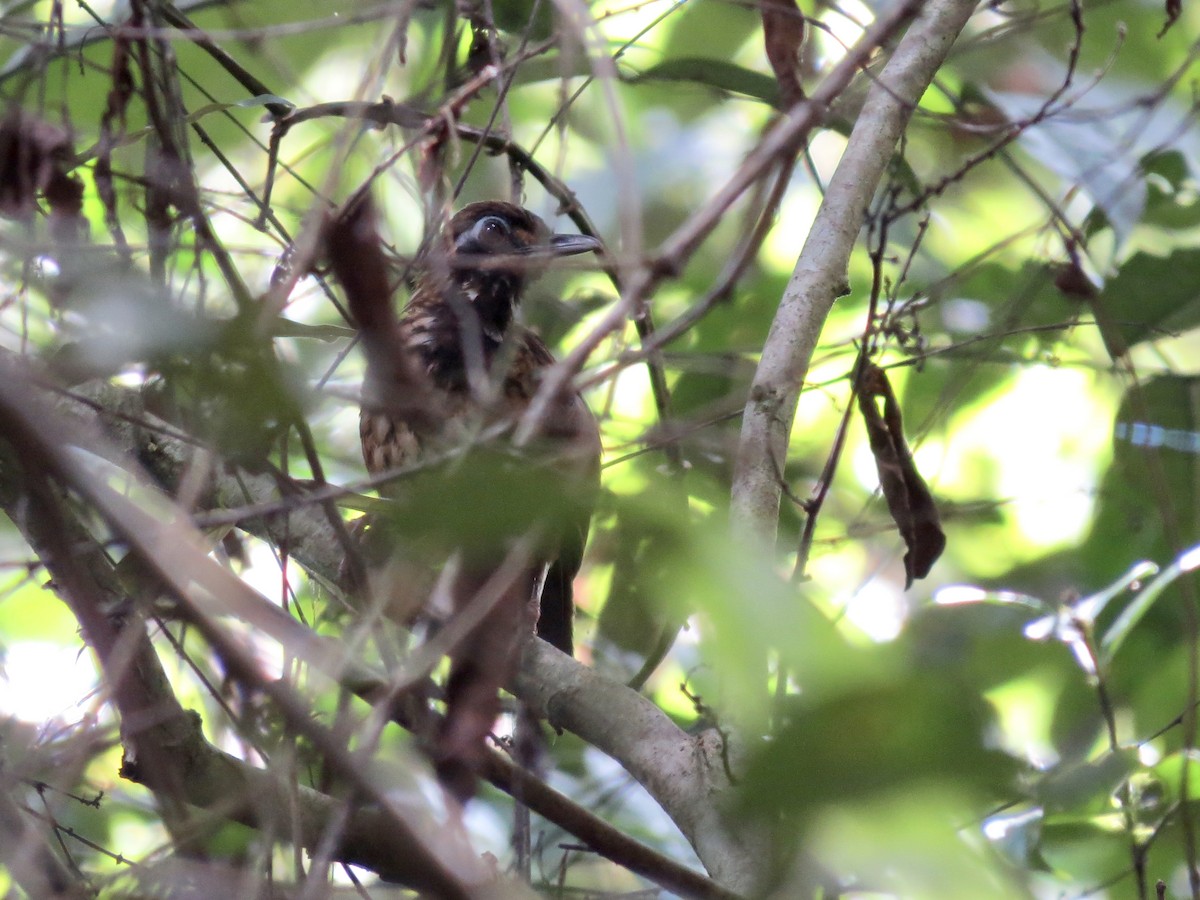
{"type": "Point", "coordinates": [242, 404]}
{"type": "Point", "coordinates": [671, 566]}
{"type": "Point", "coordinates": [121, 319]}
{"type": "Point", "coordinates": [264, 100]}
{"type": "Point", "coordinates": [907, 843]}
{"type": "Point", "coordinates": [1101, 163]}
{"type": "Point", "coordinates": [1156, 435]}
{"type": "Point", "coordinates": [504, 493]}
{"type": "Point", "coordinates": [879, 738]}
{"type": "Point", "coordinates": [1170, 771]}
{"type": "Point", "coordinates": [633, 616]}
{"type": "Point", "coordinates": [1154, 296]}
{"type": "Point", "coordinates": [1178, 212]}
{"type": "Point", "coordinates": [718, 30]}
{"type": "Point", "coordinates": [990, 299]}
{"type": "Point", "coordinates": [287, 328]}
{"type": "Point", "coordinates": [1090, 850]}
{"type": "Point", "coordinates": [1116, 634]}
{"type": "Point", "coordinates": [532, 19]}
{"type": "Point", "coordinates": [1170, 165]}
{"type": "Point", "coordinates": [1017, 833]}
{"type": "Point", "coordinates": [716, 74]}
{"type": "Point", "coordinates": [1085, 787]}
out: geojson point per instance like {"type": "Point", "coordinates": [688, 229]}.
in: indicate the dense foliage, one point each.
{"type": "Point", "coordinates": [193, 699]}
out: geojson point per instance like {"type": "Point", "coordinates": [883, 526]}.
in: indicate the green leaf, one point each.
{"type": "Point", "coordinates": [1154, 296]}
{"type": "Point", "coordinates": [1170, 165]}
{"type": "Point", "coordinates": [1170, 772]}
{"type": "Point", "coordinates": [1089, 849]}
{"type": "Point", "coordinates": [287, 328]}
{"type": "Point", "coordinates": [531, 18]}
{"type": "Point", "coordinates": [878, 738]}
{"type": "Point", "coordinates": [1171, 203]}
{"type": "Point", "coordinates": [1085, 786]}
{"type": "Point", "coordinates": [1188, 561]}
{"type": "Point", "coordinates": [1156, 434]}
{"type": "Point", "coordinates": [716, 74]}
{"type": "Point", "coordinates": [718, 30]}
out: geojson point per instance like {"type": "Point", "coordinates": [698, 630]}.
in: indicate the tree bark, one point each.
{"type": "Point", "coordinates": [820, 275]}
{"type": "Point", "coordinates": [600, 709]}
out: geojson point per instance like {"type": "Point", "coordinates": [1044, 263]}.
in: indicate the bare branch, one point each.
{"type": "Point", "coordinates": [28, 856]}
{"type": "Point", "coordinates": [781, 142]}
{"type": "Point", "coordinates": [685, 773]}
{"type": "Point", "coordinates": [313, 544]}
{"type": "Point", "coordinates": [48, 448]}
{"type": "Point", "coordinates": [819, 277]}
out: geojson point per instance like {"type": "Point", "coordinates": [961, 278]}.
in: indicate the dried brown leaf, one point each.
{"type": "Point", "coordinates": [33, 157]}
{"type": "Point", "coordinates": [908, 497]}
{"type": "Point", "coordinates": [783, 35]}
{"type": "Point", "coordinates": [1174, 9]}
{"type": "Point", "coordinates": [480, 665]}
{"type": "Point", "coordinates": [1073, 282]}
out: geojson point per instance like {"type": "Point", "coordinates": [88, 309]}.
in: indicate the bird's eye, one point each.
{"type": "Point", "coordinates": [488, 235]}
{"type": "Point", "coordinates": [491, 226]}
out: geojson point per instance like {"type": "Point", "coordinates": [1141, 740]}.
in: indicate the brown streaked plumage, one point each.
{"type": "Point", "coordinates": [452, 363]}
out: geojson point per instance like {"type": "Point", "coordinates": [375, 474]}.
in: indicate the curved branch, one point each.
{"type": "Point", "coordinates": [779, 142]}
{"type": "Point", "coordinates": [163, 744]}
{"type": "Point", "coordinates": [685, 773]}
{"type": "Point", "coordinates": [598, 709]}
{"type": "Point", "coordinates": [27, 853]}
{"type": "Point", "coordinates": [819, 277]}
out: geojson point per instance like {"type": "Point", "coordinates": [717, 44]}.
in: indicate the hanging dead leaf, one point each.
{"type": "Point", "coordinates": [783, 36]}
{"type": "Point", "coordinates": [1073, 282]}
{"type": "Point", "coordinates": [1174, 9]}
{"type": "Point", "coordinates": [908, 497]}
{"type": "Point", "coordinates": [34, 156]}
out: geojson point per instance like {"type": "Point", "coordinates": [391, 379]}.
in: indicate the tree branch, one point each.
{"type": "Point", "coordinates": [820, 276]}
{"type": "Point", "coordinates": [781, 141]}
{"type": "Point", "coordinates": [28, 855]}
{"type": "Point", "coordinates": [684, 773]}
{"type": "Point", "coordinates": [685, 789]}
{"type": "Point", "coordinates": [164, 748]}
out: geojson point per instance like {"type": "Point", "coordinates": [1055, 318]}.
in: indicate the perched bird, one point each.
{"type": "Point", "coordinates": [453, 366]}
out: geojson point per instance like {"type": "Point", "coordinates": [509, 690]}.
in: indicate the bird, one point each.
{"type": "Point", "coordinates": [453, 366]}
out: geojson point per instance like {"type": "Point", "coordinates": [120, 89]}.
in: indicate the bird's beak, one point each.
{"type": "Point", "coordinates": [573, 244]}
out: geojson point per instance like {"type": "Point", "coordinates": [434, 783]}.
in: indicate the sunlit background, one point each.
{"type": "Point", "coordinates": [915, 747]}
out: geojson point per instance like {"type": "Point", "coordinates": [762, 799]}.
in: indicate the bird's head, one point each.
{"type": "Point", "coordinates": [494, 248]}
{"type": "Point", "coordinates": [494, 236]}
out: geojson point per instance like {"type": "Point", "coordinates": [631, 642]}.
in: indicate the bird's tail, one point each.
{"type": "Point", "coordinates": [555, 621]}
